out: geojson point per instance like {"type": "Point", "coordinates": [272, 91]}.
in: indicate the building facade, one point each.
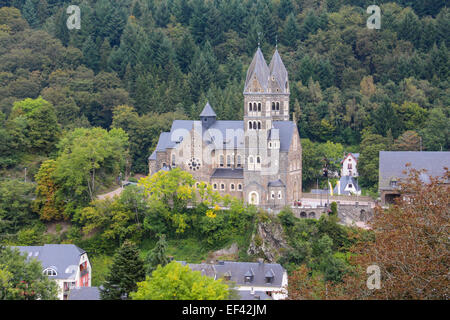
{"type": "Point", "coordinates": [66, 264]}
{"type": "Point", "coordinates": [257, 159]}
{"type": "Point", "coordinates": [349, 165]}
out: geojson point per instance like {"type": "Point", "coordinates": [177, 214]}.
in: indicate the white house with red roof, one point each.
{"type": "Point", "coordinates": [349, 165]}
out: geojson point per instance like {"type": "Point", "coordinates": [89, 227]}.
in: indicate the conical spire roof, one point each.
{"type": "Point", "coordinates": [258, 68]}
{"type": "Point", "coordinates": [278, 70]}
{"type": "Point", "coordinates": [208, 111]}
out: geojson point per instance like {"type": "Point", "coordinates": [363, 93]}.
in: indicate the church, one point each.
{"type": "Point", "coordinates": [257, 159]}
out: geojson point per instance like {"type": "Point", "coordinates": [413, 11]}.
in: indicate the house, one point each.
{"type": "Point", "coordinates": [347, 185]}
{"type": "Point", "coordinates": [253, 280]}
{"type": "Point", "coordinates": [392, 164]}
{"type": "Point", "coordinates": [66, 264]}
{"type": "Point", "coordinates": [349, 165]}
{"type": "Point", "coordinates": [258, 158]}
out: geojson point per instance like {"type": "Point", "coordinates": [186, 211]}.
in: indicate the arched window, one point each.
{"type": "Point", "coordinates": [253, 198]}
{"type": "Point", "coordinates": [228, 161]}
{"type": "Point", "coordinates": [258, 159]}
{"type": "Point", "coordinates": [221, 160]}
{"type": "Point", "coordinates": [259, 125]}
{"type": "Point", "coordinates": [254, 125]}
{"type": "Point", "coordinates": [239, 186]}
{"type": "Point", "coordinates": [238, 160]}
{"type": "Point", "coordinates": [222, 186]}
{"type": "Point", "coordinates": [250, 160]}
{"type": "Point", "coordinates": [272, 195]}
{"type": "Point", "coordinates": [273, 106]}
{"type": "Point", "coordinates": [173, 160]}
{"type": "Point", "coordinates": [278, 106]}
{"type": "Point", "coordinates": [232, 186]}
{"type": "Point", "coordinates": [250, 125]}
{"type": "Point", "coordinates": [215, 186]}
{"type": "Point", "coordinates": [50, 272]}
{"type": "Point", "coordinates": [249, 106]}
{"type": "Point", "coordinates": [279, 194]}
{"type": "Point", "coordinates": [259, 106]}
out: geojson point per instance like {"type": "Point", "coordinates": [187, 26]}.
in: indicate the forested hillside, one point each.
{"type": "Point", "coordinates": [164, 59]}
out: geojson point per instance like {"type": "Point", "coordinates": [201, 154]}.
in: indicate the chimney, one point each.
{"type": "Point", "coordinates": [260, 261]}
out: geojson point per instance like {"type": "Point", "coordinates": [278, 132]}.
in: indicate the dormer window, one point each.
{"type": "Point", "coordinates": [248, 276]}
{"type": "Point", "coordinates": [50, 272]}
{"type": "Point", "coordinates": [269, 276]}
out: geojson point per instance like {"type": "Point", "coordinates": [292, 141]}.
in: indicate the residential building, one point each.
{"type": "Point", "coordinates": [349, 165]}
{"type": "Point", "coordinates": [66, 264]}
{"type": "Point", "coordinates": [392, 169]}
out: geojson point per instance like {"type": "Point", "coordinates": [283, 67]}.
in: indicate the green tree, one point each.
{"type": "Point", "coordinates": [86, 158]}
{"type": "Point", "coordinates": [368, 161]}
{"type": "Point", "coordinates": [436, 131]}
{"type": "Point", "coordinates": [126, 271]}
{"type": "Point", "coordinates": [42, 129]}
{"type": "Point", "coordinates": [23, 280]}
{"type": "Point", "coordinates": [157, 256]}
{"type": "Point", "coordinates": [177, 282]}
{"type": "Point", "coordinates": [16, 198]}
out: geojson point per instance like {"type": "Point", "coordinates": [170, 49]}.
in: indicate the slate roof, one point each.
{"type": "Point", "coordinates": [208, 111]}
{"type": "Point", "coordinates": [276, 183]}
{"type": "Point", "coordinates": [225, 173]}
{"type": "Point", "coordinates": [278, 70]}
{"type": "Point", "coordinates": [238, 271]}
{"type": "Point", "coordinates": [64, 258]}
{"type": "Point", "coordinates": [218, 133]}
{"type": "Point", "coordinates": [204, 268]}
{"type": "Point", "coordinates": [256, 295]}
{"type": "Point", "coordinates": [355, 155]}
{"type": "Point", "coordinates": [343, 182]}
{"type": "Point", "coordinates": [84, 293]}
{"type": "Point", "coordinates": [258, 67]}
{"type": "Point", "coordinates": [392, 164]}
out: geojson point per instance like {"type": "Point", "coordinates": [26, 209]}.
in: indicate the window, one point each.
{"type": "Point", "coordinates": [239, 186]}
{"type": "Point", "coordinates": [270, 145]}
{"type": "Point", "coordinates": [215, 186]}
{"type": "Point", "coordinates": [259, 106]}
{"type": "Point", "coordinates": [258, 159]}
{"type": "Point", "coordinates": [259, 125]}
{"type": "Point", "coordinates": [279, 194]}
{"type": "Point", "coordinates": [250, 160]}
{"type": "Point", "coordinates": [350, 185]}
{"type": "Point", "coordinates": [238, 161]}
{"type": "Point", "coordinates": [222, 186]}
{"type": "Point", "coordinates": [349, 166]}
{"type": "Point", "coordinates": [49, 272]}
{"type": "Point", "coordinates": [250, 106]}
{"type": "Point", "coordinates": [272, 195]}
{"type": "Point", "coordinates": [278, 106]}
{"type": "Point", "coordinates": [221, 160]}
{"type": "Point", "coordinates": [254, 125]}
{"type": "Point", "coordinates": [273, 106]}
{"type": "Point", "coordinates": [232, 186]}
{"type": "Point", "coordinates": [173, 160]}
{"type": "Point", "coordinates": [228, 161]}
{"type": "Point", "coordinates": [250, 125]}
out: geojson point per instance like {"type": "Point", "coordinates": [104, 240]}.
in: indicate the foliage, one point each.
{"type": "Point", "coordinates": [23, 280]}
{"type": "Point", "coordinates": [157, 256]}
{"type": "Point", "coordinates": [177, 282]}
{"type": "Point", "coordinates": [126, 271]}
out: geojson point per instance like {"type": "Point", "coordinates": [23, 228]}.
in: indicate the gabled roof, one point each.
{"type": "Point", "coordinates": [354, 155]}
{"type": "Point", "coordinates": [63, 258]}
{"type": "Point", "coordinates": [258, 67]}
{"type": "Point", "coordinates": [343, 183]}
{"type": "Point", "coordinates": [276, 183]}
{"type": "Point", "coordinates": [392, 164]}
{"type": "Point", "coordinates": [208, 111]}
{"type": "Point", "coordinates": [278, 70]}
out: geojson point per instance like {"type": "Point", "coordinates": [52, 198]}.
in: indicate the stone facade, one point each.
{"type": "Point", "coordinates": [258, 159]}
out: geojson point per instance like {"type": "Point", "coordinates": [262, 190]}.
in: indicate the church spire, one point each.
{"type": "Point", "coordinates": [278, 72]}
{"type": "Point", "coordinates": [258, 70]}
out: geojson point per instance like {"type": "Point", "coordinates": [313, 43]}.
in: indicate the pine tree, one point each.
{"type": "Point", "coordinates": [29, 12]}
{"type": "Point", "coordinates": [126, 271]}
{"type": "Point", "coordinates": [157, 256]}
{"type": "Point", "coordinates": [290, 31]}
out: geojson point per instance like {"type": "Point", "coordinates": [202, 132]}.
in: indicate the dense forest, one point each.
{"type": "Point", "coordinates": [82, 108]}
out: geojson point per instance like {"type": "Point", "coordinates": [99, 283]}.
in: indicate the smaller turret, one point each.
{"type": "Point", "coordinates": [208, 116]}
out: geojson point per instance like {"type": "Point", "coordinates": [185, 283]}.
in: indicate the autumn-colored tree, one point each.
{"type": "Point", "coordinates": [47, 204]}
{"type": "Point", "coordinates": [408, 141]}
{"type": "Point", "coordinates": [410, 247]}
